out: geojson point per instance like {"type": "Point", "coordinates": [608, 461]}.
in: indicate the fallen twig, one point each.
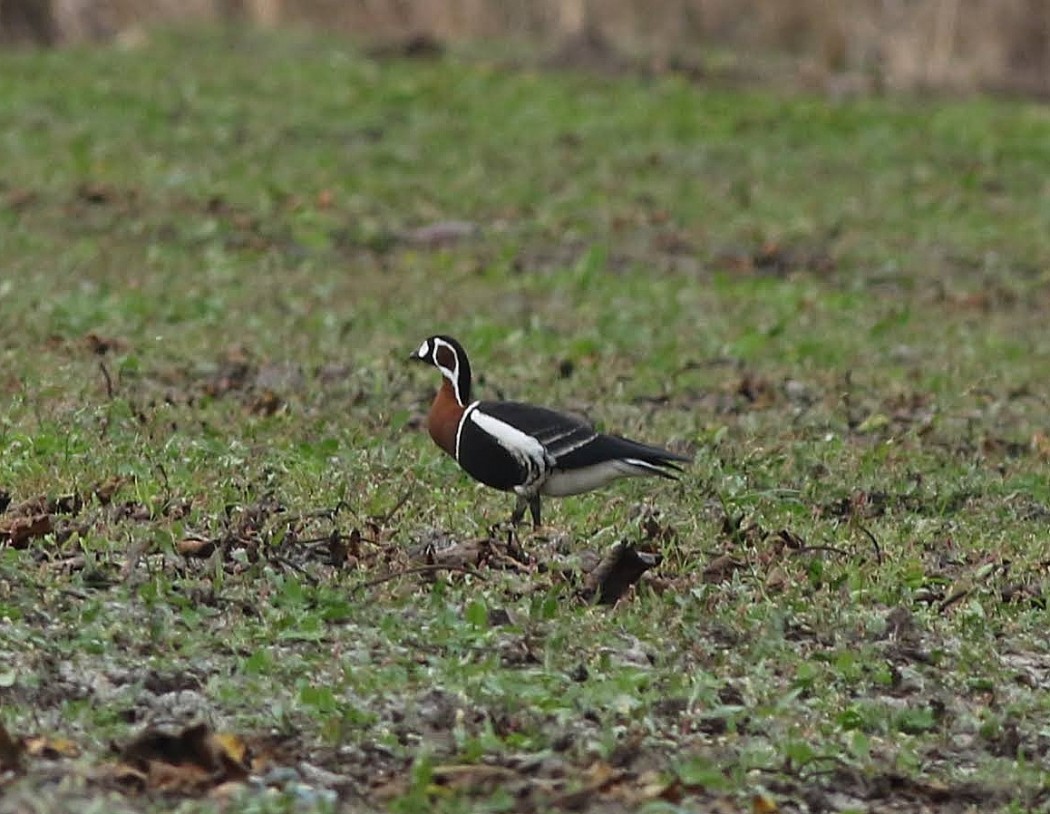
{"type": "Point", "coordinates": [874, 542]}
{"type": "Point", "coordinates": [386, 518]}
{"type": "Point", "coordinates": [295, 567]}
{"type": "Point", "coordinates": [419, 569]}
{"type": "Point", "coordinates": [806, 549]}
{"type": "Point", "coordinates": [108, 378]}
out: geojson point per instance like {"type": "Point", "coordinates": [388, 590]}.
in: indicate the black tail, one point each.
{"type": "Point", "coordinates": [658, 461]}
{"type": "Point", "coordinates": [654, 460]}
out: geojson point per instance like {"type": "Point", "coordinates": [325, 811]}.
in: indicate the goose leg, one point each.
{"type": "Point", "coordinates": [519, 511]}
{"type": "Point", "coordinates": [534, 510]}
{"type": "Point", "coordinates": [530, 503]}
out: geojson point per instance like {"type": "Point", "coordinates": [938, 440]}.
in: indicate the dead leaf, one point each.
{"type": "Point", "coordinates": [619, 569]}
{"type": "Point", "coordinates": [232, 746]}
{"type": "Point", "coordinates": [20, 198]}
{"type": "Point", "coordinates": [266, 403]}
{"type": "Point", "coordinates": [443, 233]}
{"type": "Point", "coordinates": [758, 390]}
{"type": "Point", "coordinates": [776, 580]}
{"type": "Point", "coordinates": [125, 776]}
{"type": "Point", "coordinates": [601, 778]}
{"type": "Point", "coordinates": [225, 792]}
{"type": "Point", "coordinates": [101, 345]}
{"type": "Point", "coordinates": [10, 752]}
{"type": "Point", "coordinates": [43, 504]}
{"type": "Point", "coordinates": [50, 748]}
{"type": "Point", "coordinates": [195, 547]}
{"type": "Point", "coordinates": [471, 553]}
{"type": "Point", "coordinates": [652, 785]}
{"type": "Point", "coordinates": [473, 775]}
{"type": "Point", "coordinates": [19, 530]}
{"type": "Point", "coordinates": [417, 46]}
{"type": "Point", "coordinates": [178, 778]}
{"type": "Point", "coordinates": [789, 539]}
{"type": "Point", "coordinates": [105, 490]}
{"type": "Point", "coordinates": [96, 193]}
{"type": "Point", "coordinates": [721, 568]}
{"type": "Point", "coordinates": [190, 762]}
{"type": "Point", "coordinates": [763, 804]}
{"type": "Point", "coordinates": [340, 550]}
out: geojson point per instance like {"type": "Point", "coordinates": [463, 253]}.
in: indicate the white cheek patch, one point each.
{"type": "Point", "coordinates": [452, 374]}
{"type": "Point", "coordinates": [424, 349]}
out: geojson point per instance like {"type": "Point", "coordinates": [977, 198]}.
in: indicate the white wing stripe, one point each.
{"type": "Point", "coordinates": [557, 436]}
{"type": "Point", "coordinates": [559, 453]}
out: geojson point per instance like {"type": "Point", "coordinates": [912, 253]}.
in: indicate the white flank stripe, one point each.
{"type": "Point", "coordinates": [519, 444]}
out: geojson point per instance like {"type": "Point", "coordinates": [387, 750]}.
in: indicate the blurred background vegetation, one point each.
{"type": "Point", "coordinates": [836, 46]}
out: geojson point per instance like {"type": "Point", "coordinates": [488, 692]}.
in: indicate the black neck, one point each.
{"type": "Point", "coordinates": [463, 384]}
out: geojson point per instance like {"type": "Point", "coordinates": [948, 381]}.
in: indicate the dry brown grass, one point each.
{"type": "Point", "coordinates": [959, 45]}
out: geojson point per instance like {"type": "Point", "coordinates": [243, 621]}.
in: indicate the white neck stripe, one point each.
{"type": "Point", "coordinates": [451, 375]}
{"type": "Point", "coordinates": [462, 421]}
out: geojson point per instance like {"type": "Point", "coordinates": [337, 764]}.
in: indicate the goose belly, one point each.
{"type": "Point", "coordinates": [563, 482]}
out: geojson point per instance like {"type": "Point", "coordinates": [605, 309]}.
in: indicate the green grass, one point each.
{"type": "Point", "coordinates": [840, 308]}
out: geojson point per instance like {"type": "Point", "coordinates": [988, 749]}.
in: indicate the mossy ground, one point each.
{"type": "Point", "coordinates": [217, 252]}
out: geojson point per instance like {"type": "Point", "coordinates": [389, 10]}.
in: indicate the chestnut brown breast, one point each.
{"type": "Point", "coordinates": [443, 418]}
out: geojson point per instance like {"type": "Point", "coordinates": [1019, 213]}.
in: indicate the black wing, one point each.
{"type": "Point", "coordinates": [574, 443]}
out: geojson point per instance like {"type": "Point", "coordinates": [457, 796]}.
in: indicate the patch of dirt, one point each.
{"type": "Point", "coordinates": [872, 504]}
{"type": "Point", "coordinates": [441, 234]}
{"type": "Point", "coordinates": [417, 46]}
{"type": "Point", "coordinates": [847, 788]}
{"type": "Point", "coordinates": [589, 50]}
{"type": "Point", "coordinates": [773, 259]}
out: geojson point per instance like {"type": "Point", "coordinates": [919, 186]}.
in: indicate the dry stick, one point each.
{"type": "Point", "coordinates": [874, 542]}
{"type": "Point", "coordinates": [23, 578]}
{"type": "Point", "coordinates": [167, 484]}
{"type": "Point", "coordinates": [420, 569]}
{"type": "Point", "coordinates": [800, 771]}
{"type": "Point", "coordinates": [108, 378]}
{"type": "Point", "coordinates": [847, 401]}
{"type": "Point", "coordinates": [474, 769]}
{"type": "Point", "coordinates": [295, 567]}
{"type": "Point", "coordinates": [954, 599]}
{"type": "Point", "coordinates": [573, 799]}
{"type": "Point", "coordinates": [386, 518]}
{"type": "Point", "coordinates": [806, 549]}
{"type": "Point", "coordinates": [314, 514]}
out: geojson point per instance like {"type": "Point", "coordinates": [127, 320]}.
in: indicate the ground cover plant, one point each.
{"type": "Point", "coordinates": [234, 572]}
